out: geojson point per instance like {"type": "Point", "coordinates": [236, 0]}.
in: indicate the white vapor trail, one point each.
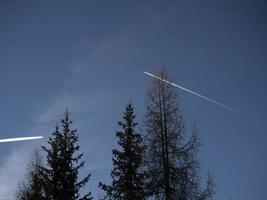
{"type": "Point", "coordinates": [20, 139]}
{"type": "Point", "coordinates": [206, 98]}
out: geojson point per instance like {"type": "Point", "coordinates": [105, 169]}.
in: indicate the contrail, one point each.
{"type": "Point", "coordinates": [20, 139]}
{"type": "Point", "coordinates": [206, 98]}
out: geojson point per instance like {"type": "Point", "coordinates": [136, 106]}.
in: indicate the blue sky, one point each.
{"type": "Point", "coordinates": [90, 56]}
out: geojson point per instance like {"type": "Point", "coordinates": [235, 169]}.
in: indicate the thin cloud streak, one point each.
{"type": "Point", "coordinates": [20, 139]}
{"type": "Point", "coordinates": [207, 98]}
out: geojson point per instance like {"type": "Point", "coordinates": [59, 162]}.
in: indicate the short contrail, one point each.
{"type": "Point", "coordinates": [20, 139]}
{"type": "Point", "coordinates": [206, 98]}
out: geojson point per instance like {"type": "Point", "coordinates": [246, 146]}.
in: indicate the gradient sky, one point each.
{"type": "Point", "coordinates": [90, 56]}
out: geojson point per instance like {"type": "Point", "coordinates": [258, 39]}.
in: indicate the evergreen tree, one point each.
{"type": "Point", "coordinates": [171, 161]}
{"type": "Point", "coordinates": [60, 177]}
{"type": "Point", "coordinates": [127, 176]}
{"type": "Point", "coordinates": [31, 188]}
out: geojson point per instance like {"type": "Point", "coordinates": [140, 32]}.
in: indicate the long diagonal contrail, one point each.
{"type": "Point", "coordinates": [20, 139]}
{"type": "Point", "coordinates": [206, 98]}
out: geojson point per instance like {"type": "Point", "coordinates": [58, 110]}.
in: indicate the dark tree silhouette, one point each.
{"type": "Point", "coordinates": [31, 188]}
{"type": "Point", "coordinates": [127, 176]}
{"type": "Point", "coordinates": [171, 162]}
{"type": "Point", "coordinates": [60, 177]}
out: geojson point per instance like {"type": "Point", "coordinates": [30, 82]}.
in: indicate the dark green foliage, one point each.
{"type": "Point", "coordinates": [60, 177]}
{"type": "Point", "coordinates": [127, 176]}
{"type": "Point", "coordinates": [164, 168]}
{"type": "Point", "coordinates": [31, 188]}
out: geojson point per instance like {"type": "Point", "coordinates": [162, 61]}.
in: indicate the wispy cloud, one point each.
{"type": "Point", "coordinates": [80, 102]}
{"type": "Point", "coordinates": [12, 169]}
{"type": "Point", "coordinates": [13, 166]}
{"type": "Point", "coordinates": [107, 52]}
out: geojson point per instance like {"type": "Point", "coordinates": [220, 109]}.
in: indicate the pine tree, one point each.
{"type": "Point", "coordinates": [127, 176]}
{"type": "Point", "coordinates": [171, 162]}
{"type": "Point", "coordinates": [60, 177]}
{"type": "Point", "coordinates": [31, 188]}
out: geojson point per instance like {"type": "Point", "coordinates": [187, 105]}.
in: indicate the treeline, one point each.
{"type": "Point", "coordinates": [159, 164]}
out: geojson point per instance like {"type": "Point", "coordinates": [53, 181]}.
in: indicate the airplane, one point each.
{"type": "Point", "coordinates": [20, 139]}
